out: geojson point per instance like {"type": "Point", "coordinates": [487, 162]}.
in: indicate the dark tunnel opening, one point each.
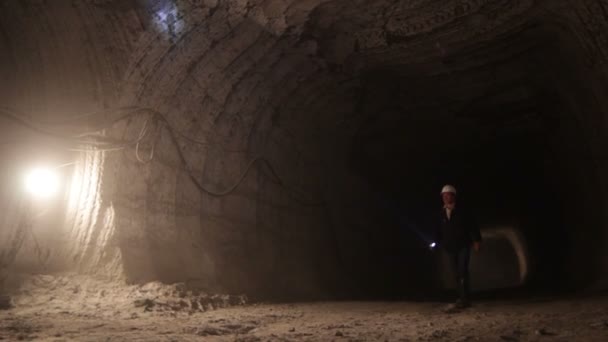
{"type": "Point", "coordinates": [502, 133]}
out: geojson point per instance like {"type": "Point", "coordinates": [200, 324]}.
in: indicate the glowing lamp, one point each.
{"type": "Point", "coordinates": [42, 182]}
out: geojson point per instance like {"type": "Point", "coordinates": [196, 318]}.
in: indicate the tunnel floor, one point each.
{"type": "Point", "coordinates": [55, 309]}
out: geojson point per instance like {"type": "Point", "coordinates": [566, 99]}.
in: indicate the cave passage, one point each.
{"type": "Point", "coordinates": [295, 150]}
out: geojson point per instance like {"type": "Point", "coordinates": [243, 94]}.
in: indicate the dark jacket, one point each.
{"type": "Point", "coordinates": [458, 232]}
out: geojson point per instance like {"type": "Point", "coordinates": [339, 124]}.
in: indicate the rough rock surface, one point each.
{"type": "Point", "coordinates": [89, 296]}
{"type": "Point", "coordinates": [544, 319]}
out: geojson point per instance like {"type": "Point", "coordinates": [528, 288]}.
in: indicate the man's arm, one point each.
{"type": "Point", "coordinates": [437, 236]}
{"type": "Point", "coordinates": [474, 232]}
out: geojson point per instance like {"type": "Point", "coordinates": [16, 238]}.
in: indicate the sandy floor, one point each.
{"type": "Point", "coordinates": [52, 317]}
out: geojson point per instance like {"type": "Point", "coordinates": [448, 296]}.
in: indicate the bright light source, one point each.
{"type": "Point", "coordinates": [42, 182]}
{"type": "Point", "coordinates": [433, 245]}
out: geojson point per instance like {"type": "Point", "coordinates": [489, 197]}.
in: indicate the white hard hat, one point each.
{"type": "Point", "coordinates": [448, 188]}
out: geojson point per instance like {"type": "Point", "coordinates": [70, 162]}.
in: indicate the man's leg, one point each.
{"type": "Point", "coordinates": [453, 256]}
{"type": "Point", "coordinates": [463, 258]}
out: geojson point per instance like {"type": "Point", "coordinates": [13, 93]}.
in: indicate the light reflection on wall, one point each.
{"type": "Point", "coordinates": [493, 268]}
{"type": "Point", "coordinates": [90, 219]}
{"type": "Point", "coordinates": [84, 187]}
{"type": "Point", "coordinates": [518, 242]}
{"type": "Point", "coordinates": [168, 19]}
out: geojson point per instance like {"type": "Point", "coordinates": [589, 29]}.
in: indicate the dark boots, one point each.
{"type": "Point", "coordinates": [463, 291]}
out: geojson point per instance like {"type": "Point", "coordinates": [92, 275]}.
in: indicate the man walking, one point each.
{"type": "Point", "coordinates": [457, 234]}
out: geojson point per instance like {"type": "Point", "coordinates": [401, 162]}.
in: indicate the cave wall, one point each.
{"type": "Point", "coordinates": [218, 71]}
{"type": "Point", "coordinates": [275, 79]}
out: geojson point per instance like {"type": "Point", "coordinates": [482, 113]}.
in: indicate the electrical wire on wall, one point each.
{"type": "Point", "coordinates": [95, 141]}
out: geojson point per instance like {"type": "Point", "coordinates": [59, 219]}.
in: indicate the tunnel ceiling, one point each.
{"type": "Point", "coordinates": [156, 52]}
{"type": "Point", "coordinates": [314, 88]}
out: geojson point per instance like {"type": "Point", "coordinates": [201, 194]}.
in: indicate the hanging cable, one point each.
{"type": "Point", "coordinates": [101, 143]}
{"type": "Point", "coordinates": [155, 139]}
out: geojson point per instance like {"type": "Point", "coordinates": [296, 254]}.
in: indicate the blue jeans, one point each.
{"type": "Point", "coordinates": [460, 265]}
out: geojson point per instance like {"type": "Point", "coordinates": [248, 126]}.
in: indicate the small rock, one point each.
{"type": "Point", "coordinates": [439, 334]}
{"type": "Point", "coordinates": [603, 324]}
{"type": "Point", "coordinates": [508, 338]}
{"type": "Point", "coordinates": [518, 332]}
{"type": "Point", "coordinates": [211, 331]}
{"type": "Point", "coordinates": [292, 329]}
{"type": "Point", "coordinates": [146, 303]}
{"type": "Point", "coordinates": [6, 303]}
{"type": "Point", "coordinates": [544, 332]}
{"type": "Point", "coordinates": [339, 333]}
